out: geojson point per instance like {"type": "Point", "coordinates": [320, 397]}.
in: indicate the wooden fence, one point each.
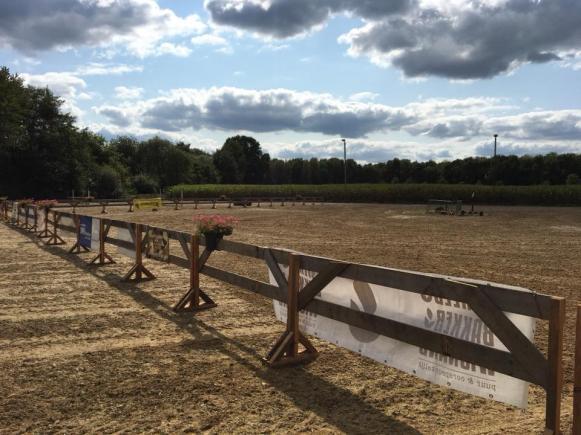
{"type": "Point", "coordinates": [522, 360]}
{"type": "Point", "coordinates": [178, 203]}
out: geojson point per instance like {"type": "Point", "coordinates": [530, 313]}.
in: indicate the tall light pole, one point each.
{"type": "Point", "coordinates": [495, 138]}
{"type": "Point", "coordinates": [344, 161]}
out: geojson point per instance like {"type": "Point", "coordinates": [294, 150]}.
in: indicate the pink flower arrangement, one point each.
{"type": "Point", "coordinates": [215, 224]}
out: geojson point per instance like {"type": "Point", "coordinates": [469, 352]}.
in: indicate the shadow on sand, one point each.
{"type": "Point", "coordinates": [307, 390]}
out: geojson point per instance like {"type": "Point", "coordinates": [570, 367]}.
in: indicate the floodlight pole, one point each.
{"type": "Point", "coordinates": [344, 161]}
{"type": "Point", "coordinates": [495, 138]}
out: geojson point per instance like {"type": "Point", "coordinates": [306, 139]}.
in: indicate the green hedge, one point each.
{"type": "Point", "coordinates": [393, 193]}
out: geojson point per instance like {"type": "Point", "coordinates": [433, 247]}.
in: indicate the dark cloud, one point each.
{"type": "Point", "coordinates": [235, 109]}
{"type": "Point", "coordinates": [138, 25]}
{"type": "Point", "coordinates": [31, 25]}
{"type": "Point", "coordinates": [268, 111]}
{"type": "Point", "coordinates": [115, 116]}
{"type": "Point", "coordinates": [477, 39]}
{"type": "Point", "coordinates": [476, 42]}
{"type": "Point", "coordinates": [286, 18]}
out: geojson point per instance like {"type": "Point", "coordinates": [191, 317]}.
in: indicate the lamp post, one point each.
{"type": "Point", "coordinates": [344, 161]}
{"type": "Point", "coordinates": [495, 138]}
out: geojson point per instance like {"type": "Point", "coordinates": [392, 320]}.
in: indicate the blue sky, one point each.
{"type": "Point", "coordinates": [419, 79]}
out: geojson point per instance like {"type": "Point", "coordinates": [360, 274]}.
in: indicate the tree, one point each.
{"type": "Point", "coordinates": [241, 160]}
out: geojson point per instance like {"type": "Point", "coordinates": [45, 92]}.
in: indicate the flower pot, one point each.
{"type": "Point", "coordinates": [212, 240]}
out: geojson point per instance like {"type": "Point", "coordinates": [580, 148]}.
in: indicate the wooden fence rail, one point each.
{"type": "Point", "coordinates": [522, 359]}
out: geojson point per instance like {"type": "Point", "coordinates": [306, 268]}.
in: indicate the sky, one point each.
{"type": "Point", "coordinates": [417, 79]}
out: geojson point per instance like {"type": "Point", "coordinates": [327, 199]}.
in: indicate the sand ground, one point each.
{"type": "Point", "coordinates": [83, 352]}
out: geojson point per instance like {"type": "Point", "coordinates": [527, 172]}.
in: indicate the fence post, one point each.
{"type": "Point", "coordinates": [54, 238]}
{"type": "Point", "coordinates": [191, 300]}
{"type": "Point", "coordinates": [577, 381]}
{"type": "Point", "coordinates": [102, 257]}
{"type": "Point", "coordinates": [138, 269]}
{"type": "Point", "coordinates": [555, 374]}
{"type": "Point", "coordinates": [285, 350]}
{"type": "Point", "coordinates": [45, 232]}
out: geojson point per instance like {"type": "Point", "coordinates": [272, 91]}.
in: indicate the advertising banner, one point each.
{"type": "Point", "coordinates": [125, 235]}
{"type": "Point", "coordinates": [436, 314]}
{"type": "Point", "coordinates": [68, 221]}
{"type": "Point", "coordinates": [86, 231]}
{"type": "Point", "coordinates": [157, 245]}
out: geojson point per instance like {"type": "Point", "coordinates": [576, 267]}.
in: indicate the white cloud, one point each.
{"type": "Point", "coordinates": [102, 69]}
{"type": "Point", "coordinates": [208, 39]}
{"type": "Point", "coordinates": [364, 96]}
{"type": "Point", "coordinates": [128, 93]}
{"type": "Point", "coordinates": [177, 50]}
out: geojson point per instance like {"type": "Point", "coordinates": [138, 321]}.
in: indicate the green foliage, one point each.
{"type": "Point", "coordinates": [241, 160]}
{"type": "Point", "coordinates": [572, 179]}
{"type": "Point", "coordinates": [143, 184]}
{"type": "Point", "coordinates": [395, 193]}
{"type": "Point", "coordinates": [107, 183]}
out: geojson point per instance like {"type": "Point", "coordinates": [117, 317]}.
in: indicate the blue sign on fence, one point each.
{"type": "Point", "coordinates": [86, 231]}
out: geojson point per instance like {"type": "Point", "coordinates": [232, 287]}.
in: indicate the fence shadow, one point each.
{"type": "Point", "coordinates": [307, 390]}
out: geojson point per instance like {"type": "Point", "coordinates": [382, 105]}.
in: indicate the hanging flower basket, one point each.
{"type": "Point", "coordinates": [214, 228]}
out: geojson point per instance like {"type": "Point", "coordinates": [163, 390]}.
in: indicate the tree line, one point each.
{"type": "Point", "coordinates": [44, 154]}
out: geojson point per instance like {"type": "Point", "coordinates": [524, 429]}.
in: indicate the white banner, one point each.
{"type": "Point", "coordinates": [435, 314]}
{"type": "Point", "coordinates": [68, 221]}
{"type": "Point", "coordinates": [95, 234]}
{"type": "Point", "coordinates": [123, 234]}
{"type": "Point", "coordinates": [40, 219]}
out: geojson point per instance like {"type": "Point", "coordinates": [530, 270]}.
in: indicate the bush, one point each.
{"type": "Point", "coordinates": [143, 184]}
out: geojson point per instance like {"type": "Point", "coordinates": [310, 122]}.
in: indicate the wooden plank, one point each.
{"type": "Point", "coordinates": [319, 282]}
{"type": "Point", "coordinates": [183, 239]}
{"type": "Point", "coordinates": [555, 366]}
{"type": "Point", "coordinates": [507, 299]}
{"type": "Point", "coordinates": [524, 352]}
{"type": "Point", "coordinates": [268, 290]}
{"type": "Point", "coordinates": [120, 243]}
{"type": "Point", "coordinates": [275, 270]}
{"type": "Point", "coordinates": [203, 259]}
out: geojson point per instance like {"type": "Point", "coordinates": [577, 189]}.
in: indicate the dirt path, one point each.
{"type": "Point", "coordinates": [83, 352]}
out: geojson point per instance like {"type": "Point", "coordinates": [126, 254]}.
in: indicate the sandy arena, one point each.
{"type": "Point", "coordinates": [83, 352]}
